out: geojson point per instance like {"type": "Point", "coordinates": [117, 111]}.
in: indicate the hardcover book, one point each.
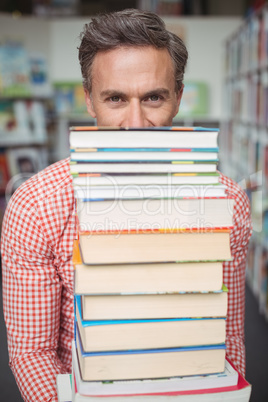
{"type": "Point", "coordinates": [98, 193]}
{"type": "Point", "coordinates": [105, 335]}
{"type": "Point", "coordinates": [144, 154]}
{"type": "Point", "coordinates": [161, 137]}
{"type": "Point", "coordinates": [227, 379]}
{"type": "Point", "coordinates": [98, 179]}
{"type": "Point", "coordinates": [149, 363]}
{"type": "Point", "coordinates": [73, 388]}
{"type": "Point", "coordinates": [142, 278]}
{"type": "Point", "coordinates": [237, 393]}
{"type": "Point", "coordinates": [153, 246]}
{"type": "Point", "coordinates": [145, 306]}
{"type": "Point", "coordinates": [142, 167]}
{"type": "Point", "coordinates": [112, 214]}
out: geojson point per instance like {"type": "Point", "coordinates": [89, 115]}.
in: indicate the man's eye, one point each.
{"type": "Point", "coordinates": [154, 98]}
{"type": "Point", "coordinates": [115, 99]}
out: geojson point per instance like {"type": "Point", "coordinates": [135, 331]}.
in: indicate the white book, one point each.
{"type": "Point", "coordinates": [92, 156]}
{"type": "Point", "coordinates": [149, 191]}
{"type": "Point", "coordinates": [240, 395]}
{"type": "Point", "coordinates": [142, 167]}
{"type": "Point", "coordinates": [155, 213]}
{"type": "Point", "coordinates": [133, 179]}
{"type": "Point", "coordinates": [64, 387]}
{"type": "Point", "coordinates": [73, 389]}
{"type": "Point", "coordinates": [161, 137]}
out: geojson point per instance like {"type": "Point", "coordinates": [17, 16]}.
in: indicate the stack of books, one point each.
{"type": "Point", "coordinates": [153, 229]}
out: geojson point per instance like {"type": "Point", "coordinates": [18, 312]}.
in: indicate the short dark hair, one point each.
{"type": "Point", "coordinates": [130, 27]}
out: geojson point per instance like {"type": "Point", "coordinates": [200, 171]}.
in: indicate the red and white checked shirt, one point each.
{"type": "Point", "coordinates": [37, 241]}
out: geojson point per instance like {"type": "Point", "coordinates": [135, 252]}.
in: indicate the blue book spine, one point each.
{"type": "Point", "coordinates": [151, 150]}
{"type": "Point", "coordinates": [90, 323]}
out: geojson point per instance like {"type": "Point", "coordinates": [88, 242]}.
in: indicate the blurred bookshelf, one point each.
{"type": "Point", "coordinates": [67, 8]}
{"type": "Point", "coordinates": [244, 136]}
{"type": "Point", "coordinates": [26, 110]}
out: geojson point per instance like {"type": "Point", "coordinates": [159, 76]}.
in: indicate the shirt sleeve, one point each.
{"type": "Point", "coordinates": [234, 278]}
{"type": "Point", "coordinates": [38, 310]}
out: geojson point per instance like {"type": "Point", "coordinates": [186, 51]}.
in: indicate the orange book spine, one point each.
{"type": "Point", "coordinates": [76, 253]}
{"type": "Point", "coordinates": [156, 231]}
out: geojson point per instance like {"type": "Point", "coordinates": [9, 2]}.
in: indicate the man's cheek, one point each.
{"type": "Point", "coordinates": [110, 117]}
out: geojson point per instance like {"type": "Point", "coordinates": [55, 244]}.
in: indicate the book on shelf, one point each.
{"type": "Point", "coordinates": [154, 246]}
{"type": "Point", "coordinates": [8, 122]}
{"type": "Point", "coordinates": [161, 137]}
{"type": "Point", "coordinates": [157, 212]}
{"type": "Point", "coordinates": [4, 172]}
{"type": "Point", "coordinates": [70, 99]}
{"type": "Point", "coordinates": [142, 167]}
{"type": "Point", "coordinates": [104, 335]}
{"type": "Point", "coordinates": [22, 122]}
{"type": "Point", "coordinates": [14, 68]}
{"type": "Point", "coordinates": [144, 154]}
{"type": "Point", "coordinates": [227, 379]}
{"type": "Point", "coordinates": [39, 80]}
{"type": "Point", "coordinates": [162, 305]}
{"type": "Point", "coordinates": [149, 363]}
{"type": "Point", "coordinates": [102, 179]}
{"type": "Point", "coordinates": [154, 278]}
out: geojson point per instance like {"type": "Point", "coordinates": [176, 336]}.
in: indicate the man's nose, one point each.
{"type": "Point", "coordinates": [135, 115]}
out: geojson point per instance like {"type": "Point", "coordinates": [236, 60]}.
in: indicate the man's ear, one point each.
{"type": "Point", "coordinates": [179, 96]}
{"type": "Point", "coordinates": [89, 104]}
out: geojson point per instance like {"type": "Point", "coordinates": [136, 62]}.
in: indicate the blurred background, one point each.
{"type": "Point", "coordinates": [226, 86]}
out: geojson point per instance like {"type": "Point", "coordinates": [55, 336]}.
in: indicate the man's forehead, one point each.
{"type": "Point", "coordinates": [138, 66]}
{"type": "Point", "coordinates": [121, 53]}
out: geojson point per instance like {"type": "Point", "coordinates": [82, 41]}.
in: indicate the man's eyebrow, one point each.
{"type": "Point", "coordinates": [115, 92]}
{"type": "Point", "coordinates": [157, 91]}
{"type": "Point", "coordinates": [111, 92]}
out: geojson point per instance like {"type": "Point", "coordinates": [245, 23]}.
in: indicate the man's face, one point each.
{"type": "Point", "coordinates": [133, 87]}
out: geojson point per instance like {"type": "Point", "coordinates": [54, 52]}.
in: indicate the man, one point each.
{"type": "Point", "coordinates": [132, 73]}
{"type": "Point", "coordinates": [136, 75]}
